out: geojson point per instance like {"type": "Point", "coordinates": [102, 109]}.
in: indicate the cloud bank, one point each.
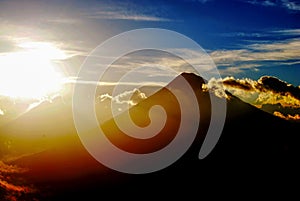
{"type": "Point", "coordinates": [268, 93]}
{"type": "Point", "coordinates": [8, 175]}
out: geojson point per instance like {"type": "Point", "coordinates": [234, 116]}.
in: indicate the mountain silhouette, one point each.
{"type": "Point", "coordinates": [252, 141]}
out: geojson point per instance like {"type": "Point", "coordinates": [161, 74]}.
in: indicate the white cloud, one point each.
{"type": "Point", "coordinates": [127, 97]}
{"type": "Point", "coordinates": [263, 3]}
{"type": "Point", "coordinates": [151, 67]}
{"type": "Point", "coordinates": [240, 59]}
{"type": "Point", "coordinates": [242, 34]}
{"type": "Point", "coordinates": [260, 52]}
{"type": "Point", "coordinates": [239, 68]}
{"type": "Point", "coordinates": [128, 11]}
{"type": "Point", "coordinates": [288, 4]}
{"type": "Point", "coordinates": [291, 5]}
{"type": "Point", "coordinates": [289, 32]}
{"type": "Point", "coordinates": [215, 86]}
{"type": "Point", "coordinates": [65, 20]}
{"type": "Point", "coordinates": [125, 15]}
{"type": "Point", "coordinates": [285, 47]}
{"type": "Point", "coordinates": [105, 83]}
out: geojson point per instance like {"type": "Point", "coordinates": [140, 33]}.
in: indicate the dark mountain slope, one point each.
{"type": "Point", "coordinates": [253, 142]}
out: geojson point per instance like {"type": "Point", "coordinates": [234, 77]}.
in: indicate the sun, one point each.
{"type": "Point", "coordinates": [30, 72]}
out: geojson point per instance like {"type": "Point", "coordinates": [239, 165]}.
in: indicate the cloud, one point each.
{"type": "Point", "coordinates": [244, 84]}
{"type": "Point", "coordinates": [277, 86]}
{"type": "Point", "coordinates": [284, 110]}
{"type": "Point", "coordinates": [128, 97]}
{"type": "Point", "coordinates": [266, 90]}
{"type": "Point", "coordinates": [230, 83]}
{"type": "Point", "coordinates": [239, 68]}
{"type": "Point", "coordinates": [262, 3]}
{"type": "Point", "coordinates": [270, 90]}
{"type": "Point", "coordinates": [291, 5]}
{"type": "Point", "coordinates": [109, 106]}
{"type": "Point", "coordinates": [107, 83]}
{"type": "Point", "coordinates": [287, 4]}
{"type": "Point", "coordinates": [288, 47]}
{"type": "Point", "coordinates": [287, 117]}
{"type": "Point", "coordinates": [128, 11]}
{"type": "Point", "coordinates": [12, 187]}
{"type": "Point", "coordinates": [253, 56]}
{"type": "Point", "coordinates": [151, 67]}
{"type": "Point", "coordinates": [243, 34]}
{"type": "Point", "coordinates": [25, 46]}
{"type": "Point", "coordinates": [258, 34]}
{"type": "Point", "coordinates": [286, 50]}
{"type": "Point", "coordinates": [288, 32]}
{"type": "Point", "coordinates": [278, 114]}
{"type": "Point", "coordinates": [49, 99]}
{"type": "Point", "coordinates": [63, 21]}
{"type": "Point", "coordinates": [270, 94]}
{"type": "Point", "coordinates": [4, 168]}
{"type": "Point", "coordinates": [215, 86]}
{"type": "Point", "coordinates": [6, 174]}
{"type": "Point", "coordinates": [121, 15]}
{"type": "Point", "coordinates": [273, 98]}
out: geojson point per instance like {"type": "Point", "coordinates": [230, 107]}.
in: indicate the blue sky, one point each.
{"type": "Point", "coordinates": [245, 38]}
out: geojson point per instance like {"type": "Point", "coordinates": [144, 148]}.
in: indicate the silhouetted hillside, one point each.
{"type": "Point", "coordinates": [254, 146]}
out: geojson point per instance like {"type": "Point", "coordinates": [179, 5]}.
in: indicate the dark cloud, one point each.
{"type": "Point", "coordinates": [268, 83]}
{"type": "Point", "coordinates": [270, 86]}
{"type": "Point", "coordinates": [240, 84]}
{"type": "Point", "coordinates": [268, 93]}
{"type": "Point", "coordinates": [264, 84]}
{"type": "Point", "coordinates": [278, 108]}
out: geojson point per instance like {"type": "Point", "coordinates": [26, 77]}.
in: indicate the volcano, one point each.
{"type": "Point", "coordinates": [59, 166]}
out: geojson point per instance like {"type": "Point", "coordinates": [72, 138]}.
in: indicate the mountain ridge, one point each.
{"type": "Point", "coordinates": [251, 140]}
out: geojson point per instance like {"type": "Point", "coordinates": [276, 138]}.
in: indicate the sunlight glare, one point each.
{"type": "Point", "coordinates": [30, 73]}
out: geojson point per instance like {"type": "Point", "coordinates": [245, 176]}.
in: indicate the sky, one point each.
{"type": "Point", "coordinates": [245, 38]}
